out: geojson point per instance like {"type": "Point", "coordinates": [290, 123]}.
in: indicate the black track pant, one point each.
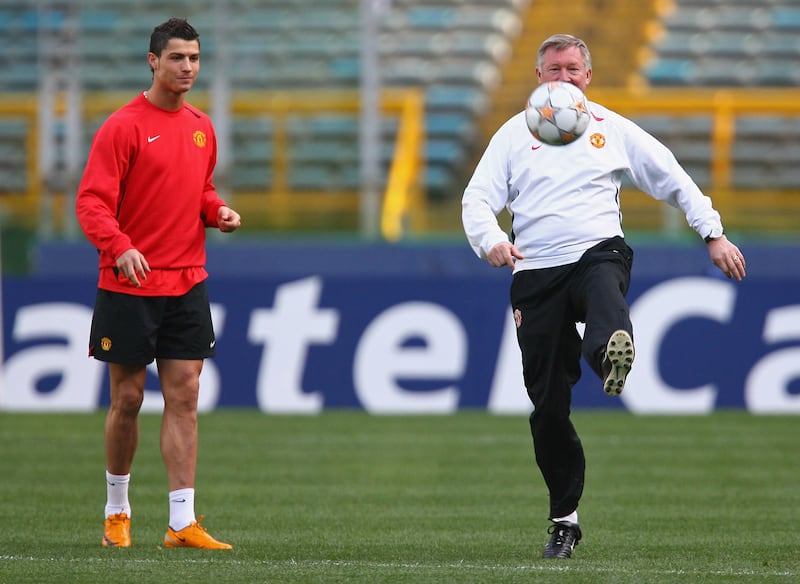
{"type": "Point", "coordinates": [547, 303]}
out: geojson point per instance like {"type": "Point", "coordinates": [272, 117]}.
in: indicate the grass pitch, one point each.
{"type": "Point", "coordinates": [347, 497]}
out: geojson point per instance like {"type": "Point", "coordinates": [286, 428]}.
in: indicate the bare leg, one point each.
{"type": "Point", "coordinates": [180, 385]}
{"type": "Point", "coordinates": [122, 420]}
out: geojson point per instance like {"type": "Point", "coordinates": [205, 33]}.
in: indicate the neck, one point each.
{"type": "Point", "coordinates": [166, 100]}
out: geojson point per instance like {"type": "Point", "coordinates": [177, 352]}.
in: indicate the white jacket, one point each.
{"type": "Point", "coordinates": [565, 199]}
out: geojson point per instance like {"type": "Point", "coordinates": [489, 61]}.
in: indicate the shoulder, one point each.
{"type": "Point", "coordinates": [127, 114]}
{"type": "Point", "coordinates": [515, 123]}
{"type": "Point", "coordinates": [602, 114]}
{"type": "Point", "coordinates": [196, 113]}
{"type": "Point", "coordinates": [133, 108]}
{"type": "Point", "coordinates": [635, 140]}
{"type": "Point", "coordinates": [509, 137]}
{"type": "Point", "coordinates": [123, 121]}
{"type": "Point", "coordinates": [615, 122]}
{"type": "Point", "coordinates": [197, 119]}
{"type": "Point", "coordinates": [515, 128]}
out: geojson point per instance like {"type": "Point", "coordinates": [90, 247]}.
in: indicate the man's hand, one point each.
{"type": "Point", "coordinates": [133, 266]}
{"type": "Point", "coordinates": [504, 254]}
{"type": "Point", "coordinates": [727, 258]}
{"type": "Point", "coordinates": [228, 220]}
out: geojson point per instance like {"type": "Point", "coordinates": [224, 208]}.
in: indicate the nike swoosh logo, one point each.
{"type": "Point", "coordinates": [153, 138]}
{"type": "Point", "coordinates": [536, 147]}
{"type": "Point", "coordinates": [179, 501]}
{"type": "Point", "coordinates": [211, 344]}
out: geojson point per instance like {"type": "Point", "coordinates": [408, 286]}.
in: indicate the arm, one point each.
{"type": "Point", "coordinates": [215, 212]}
{"type": "Point", "coordinates": [655, 170]}
{"type": "Point", "coordinates": [98, 199]}
{"type": "Point", "coordinates": [484, 198]}
{"type": "Point", "coordinates": [99, 193]}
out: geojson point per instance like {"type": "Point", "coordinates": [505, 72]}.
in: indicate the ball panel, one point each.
{"type": "Point", "coordinates": [566, 118]}
{"type": "Point", "coordinates": [548, 133]}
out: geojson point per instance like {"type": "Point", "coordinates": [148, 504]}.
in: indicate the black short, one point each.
{"type": "Point", "coordinates": [135, 330]}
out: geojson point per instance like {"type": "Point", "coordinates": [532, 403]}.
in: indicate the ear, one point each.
{"type": "Point", "coordinates": [588, 77]}
{"type": "Point", "coordinates": [152, 60]}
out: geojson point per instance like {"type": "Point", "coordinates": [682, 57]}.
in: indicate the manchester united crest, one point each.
{"type": "Point", "coordinates": [597, 140]}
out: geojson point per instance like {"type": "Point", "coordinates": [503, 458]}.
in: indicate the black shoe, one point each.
{"type": "Point", "coordinates": [563, 538]}
{"type": "Point", "coordinates": [617, 362]}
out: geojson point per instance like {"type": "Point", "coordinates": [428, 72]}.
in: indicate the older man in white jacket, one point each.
{"type": "Point", "coordinates": [570, 260]}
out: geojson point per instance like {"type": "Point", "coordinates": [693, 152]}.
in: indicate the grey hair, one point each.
{"type": "Point", "coordinates": [560, 42]}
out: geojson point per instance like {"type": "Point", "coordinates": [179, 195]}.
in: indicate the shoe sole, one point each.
{"type": "Point", "coordinates": [172, 541]}
{"type": "Point", "coordinates": [565, 553]}
{"type": "Point", "coordinates": [620, 353]}
{"type": "Point", "coordinates": [108, 543]}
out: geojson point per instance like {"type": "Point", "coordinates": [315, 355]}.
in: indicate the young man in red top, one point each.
{"type": "Point", "coordinates": [145, 200]}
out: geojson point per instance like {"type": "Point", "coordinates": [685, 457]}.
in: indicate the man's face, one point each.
{"type": "Point", "coordinates": [566, 65]}
{"type": "Point", "coordinates": [177, 67]}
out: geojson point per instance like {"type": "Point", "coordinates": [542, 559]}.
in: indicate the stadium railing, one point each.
{"type": "Point", "coordinates": [772, 207]}
{"type": "Point", "coordinates": [277, 204]}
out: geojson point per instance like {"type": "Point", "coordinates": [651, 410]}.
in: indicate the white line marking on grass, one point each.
{"type": "Point", "coordinates": [572, 566]}
{"type": "Point", "coordinates": [544, 567]}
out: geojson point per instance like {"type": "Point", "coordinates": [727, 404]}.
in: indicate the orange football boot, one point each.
{"type": "Point", "coordinates": [117, 532]}
{"type": "Point", "coordinates": [194, 536]}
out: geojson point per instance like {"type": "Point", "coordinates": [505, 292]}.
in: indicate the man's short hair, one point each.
{"type": "Point", "coordinates": [560, 42]}
{"type": "Point", "coordinates": [174, 28]}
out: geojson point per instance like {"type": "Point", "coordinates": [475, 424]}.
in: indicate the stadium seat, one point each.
{"type": "Point", "coordinates": [735, 43]}
{"type": "Point", "coordinates": [708, 43]}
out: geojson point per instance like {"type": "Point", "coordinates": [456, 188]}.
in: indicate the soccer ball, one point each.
{"type": "Point", "coordinates": [557, 113]}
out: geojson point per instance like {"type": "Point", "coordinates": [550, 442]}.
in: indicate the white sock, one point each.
{"type": "Point", "coordinates": [117, 494]}
{"type": "Point", "coordinates": [571, 518]}
{"type": "Point", "coordinates": [181, 508]}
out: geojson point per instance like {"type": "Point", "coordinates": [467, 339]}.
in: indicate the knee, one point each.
{"type": "Point", "coordinates": [127, 399]}
{"type": "Point", "coordinates": [183, 398]}
{"type": "Point", "coordinates": [547, 416]}
{"type": "Point", "coordinates": [181, 389]}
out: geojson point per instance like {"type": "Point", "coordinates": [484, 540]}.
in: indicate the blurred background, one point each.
{"type": "Point", "coordinates": [347, 132]}
{"type": "Point", "coordinates": [364, 119]}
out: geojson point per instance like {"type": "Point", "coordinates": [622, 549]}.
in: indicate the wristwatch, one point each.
{"type": "Point", "coordinates": [715, 234]}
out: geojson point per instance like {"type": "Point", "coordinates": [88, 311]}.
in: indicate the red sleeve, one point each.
{"type": "Point", "coordinates": [211, 200]}
{"type": "Point", "coordinates": [101, 189]}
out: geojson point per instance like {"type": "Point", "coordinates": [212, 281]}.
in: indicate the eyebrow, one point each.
{"type": "Point", "coordinates": [180, 54]}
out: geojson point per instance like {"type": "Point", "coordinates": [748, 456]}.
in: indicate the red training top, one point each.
{"type": "Point", "coordinates": [148, 185]}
